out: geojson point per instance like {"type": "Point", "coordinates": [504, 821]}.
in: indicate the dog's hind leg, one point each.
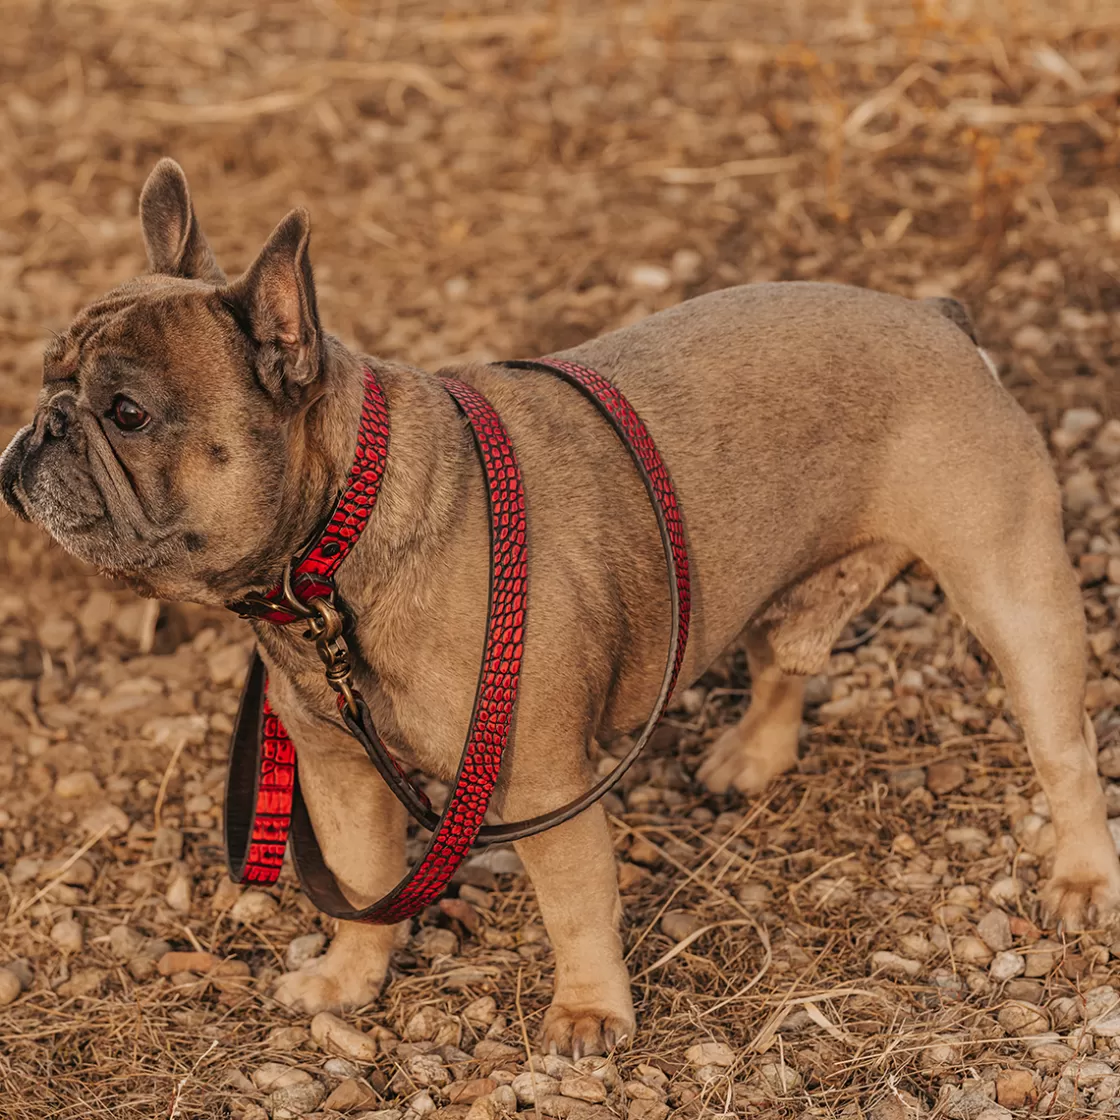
{"type": "Point", "coordinates": [1004, 567]}
{"type": "Point", "coordinates": [792, 637]}
{"type": "Point", "coordinates": [763, 744]}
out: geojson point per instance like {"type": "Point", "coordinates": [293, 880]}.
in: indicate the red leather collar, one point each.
{"type": "Point", "coordinates": [313, 571]}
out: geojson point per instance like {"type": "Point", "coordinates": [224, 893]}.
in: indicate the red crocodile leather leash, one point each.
{"type": "Point", "coordinates": [261, 782]}
{"type": "Point", "coordinates": [458, 826]}
{"type": "Point", "coordinates": [276, 793]}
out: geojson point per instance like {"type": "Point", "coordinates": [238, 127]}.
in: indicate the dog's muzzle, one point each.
{"type": "Point", "coordinates": [11, 464]}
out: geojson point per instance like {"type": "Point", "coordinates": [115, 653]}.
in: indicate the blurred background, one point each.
{"type": "Point", "coordinates": [500, 180]}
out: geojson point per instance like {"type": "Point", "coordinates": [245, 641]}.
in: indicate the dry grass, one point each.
{"type": "Point", "coordinates": [483, 180]}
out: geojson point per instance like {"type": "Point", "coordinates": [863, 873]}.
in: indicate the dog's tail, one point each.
{"type": "Point", "coordinates": [957, 313]}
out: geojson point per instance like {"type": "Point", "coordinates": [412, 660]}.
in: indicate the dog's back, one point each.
{"type": "Point", "coordinates": [794, 417]}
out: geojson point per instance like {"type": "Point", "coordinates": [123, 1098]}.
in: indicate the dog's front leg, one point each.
{"type": "Point", "coordinates": [360, 826]}
{"type": "Point", "coordinates": [576, 880]}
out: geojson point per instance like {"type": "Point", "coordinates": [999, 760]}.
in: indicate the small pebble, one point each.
{"type": "Point", "coordinates": [643, 852]}
{"type": "Point", "coordinates": [994, 1112]}
{"type": "Point", "coordinates": [342, 1068]}
{"type": "Point", "coordinates": [916, 946]}
{"type": "Point", "coordinates": [944, 777]}
{"type": "Point", "coordinates": [481, 1012]}
{"type": "Point", "coordinates": [1015, 1088]}
{"type": "Point", "coordinates": [907, 780]}
{"type": "Point", "coordinates": [467, 1092]}
{"type": "Point", "coordinates": [1107, 443]}
{"type": "Point", "coordinates": [429, 1023]}
{"type": "Point", "coordinates": [972, 950]}
{"type": "Point", "coordinates": [24, 870]}
{"type": "Point", "coordinates": [254, 908]}
{"type": "Point", "coordinates": [485, 1108]}
{"type": "Point", "coordinates": [583, 1088]}
{"type": "Point", "coordinates": [351, 1094]}
{"type": "Point", "coordinates": [710, 1054]}
{"type": "Point", "coordinates": [432, 941]}
{"type": "Point", "coordinates": [335, 1036]}
{"type": "Point", "coordinates": [491, 1050]}
{"type": "Point", "coordinates": [995, 930]}
{"type": "Point", "coordinates": [287, 1038]}
{"type": "Point", "coordinates": [1005, 890]}
{"type": "Point", "coordinates": [1081, 492]}
{"type": "Point", "coordinates": [67, 935]}
{"type": "Point", "coordinates": [843, 708]}
{"type": "Point", "coordinates": [755, 895]}
{"type": "Point", "coordinates": [227, 664]}
{"type": "Point", "coordinates": [82, 783]}
{"type": "Point", "coordinates": [1087, 1071]}
{"type": "Point", "coordinates": [10, 987]}
{"type": "Point", "coordinates": [1007, 965]}
{"type": "Point", "coordinates": [647, 1110]}
{"type": "Point", "coordinates": [173, 962]}
{"type": "Point", "coordinates": [77, 874]}
{"type": "Point", "coordinates": [679, 924]}
{"type": "Point", "coordinates": [527, 1085]}
{"type": "Point", "coordinates": [779, 1077]}
{"type": "Point", "coordinates": [125, 942]}
{"type": "Point", "coordinates": [428, 1071]}
{"type": "Point", "coordinates": [276, 1075]}
{"type": "Point", "coordinates": [505, 1098]}
{"type": "Point", "coordinates": [295, 1100]}
{"type": "Point", "coordinates": [167, 843]}
{"type": "Point", "coordinates": [225, 895]}
{"type": "Point", "coordinates": [685, 266]}
{"type": "Point", "coordinates": [179, 891]}
{"type": "Point", "coordinates": [893, 964]}
{"type": "Point", "coordinates": [83, 982]}
{"type": "Point", "coordinates": [649, 278]}
{"type": "Point", "coordinates": [1042, 957]}
{"type": "Point", "coordinates": [1023, 1019]}
{"type": "Point", "coordinates": [500, 859]}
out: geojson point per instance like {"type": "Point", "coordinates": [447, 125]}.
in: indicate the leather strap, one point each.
{"type": "Point", "coordinates": [262, 778]}
{"type": "Point", "coordinates": [457, 827]}
{"type": "Point", "coordinates": [460, 825]}
{"type": "Point", "coordinates": [314, 570]}
{"type": "Point", "coordinates": [637, 440]}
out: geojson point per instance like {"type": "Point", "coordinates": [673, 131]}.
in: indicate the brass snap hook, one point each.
{"type": "Point", "coordinates": [293, 602]}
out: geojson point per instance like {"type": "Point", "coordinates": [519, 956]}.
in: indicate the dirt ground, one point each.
{"type": "Point", "coordinates": [502, 180]}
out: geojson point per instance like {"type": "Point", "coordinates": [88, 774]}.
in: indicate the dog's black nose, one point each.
{"type": "Point", "coordinates": [54, 420]}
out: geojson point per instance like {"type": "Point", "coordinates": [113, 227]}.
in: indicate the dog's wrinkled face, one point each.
{"type": "Point", "coordinates": [167, 437]}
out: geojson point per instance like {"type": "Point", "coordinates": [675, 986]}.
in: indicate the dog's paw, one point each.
{"type": "Point", "coordinates": [580, 1030]}
{"type": "Point", "coordinates": [319, 987]}
{"type": "Point", "coordinates": [1083, 898]}
{"type": "Point", "coordinates": [749, 762]}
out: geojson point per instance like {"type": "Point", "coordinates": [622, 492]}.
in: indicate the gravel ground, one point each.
{"type": "Point", "coordinates": [493, 180]}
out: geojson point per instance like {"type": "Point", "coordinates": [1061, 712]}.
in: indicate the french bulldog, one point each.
{"type": "Point", "coordinates": [192, 431]}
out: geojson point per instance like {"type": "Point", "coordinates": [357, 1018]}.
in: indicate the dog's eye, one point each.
{"type": "Point", "coordinates": [128, 415]}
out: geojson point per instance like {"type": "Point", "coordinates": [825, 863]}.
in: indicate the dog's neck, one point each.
{"type": "Point", "coordinates": [420, 490]}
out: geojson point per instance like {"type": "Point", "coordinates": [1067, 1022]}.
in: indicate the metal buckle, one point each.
{"type": "Point", "coordinates": [324, 627]}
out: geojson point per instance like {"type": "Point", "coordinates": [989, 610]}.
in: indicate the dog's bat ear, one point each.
{"type": "Point", "coordinates": [175, 244]}
{"type": "Point", "coordinates": [275, 302]}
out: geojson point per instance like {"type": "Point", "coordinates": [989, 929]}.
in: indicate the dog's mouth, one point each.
{"type": "Point", "coordinates": [83, 495]}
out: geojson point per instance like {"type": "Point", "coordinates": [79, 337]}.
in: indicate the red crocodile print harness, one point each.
{"type": "Point", "coordinates": [263, 802]}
